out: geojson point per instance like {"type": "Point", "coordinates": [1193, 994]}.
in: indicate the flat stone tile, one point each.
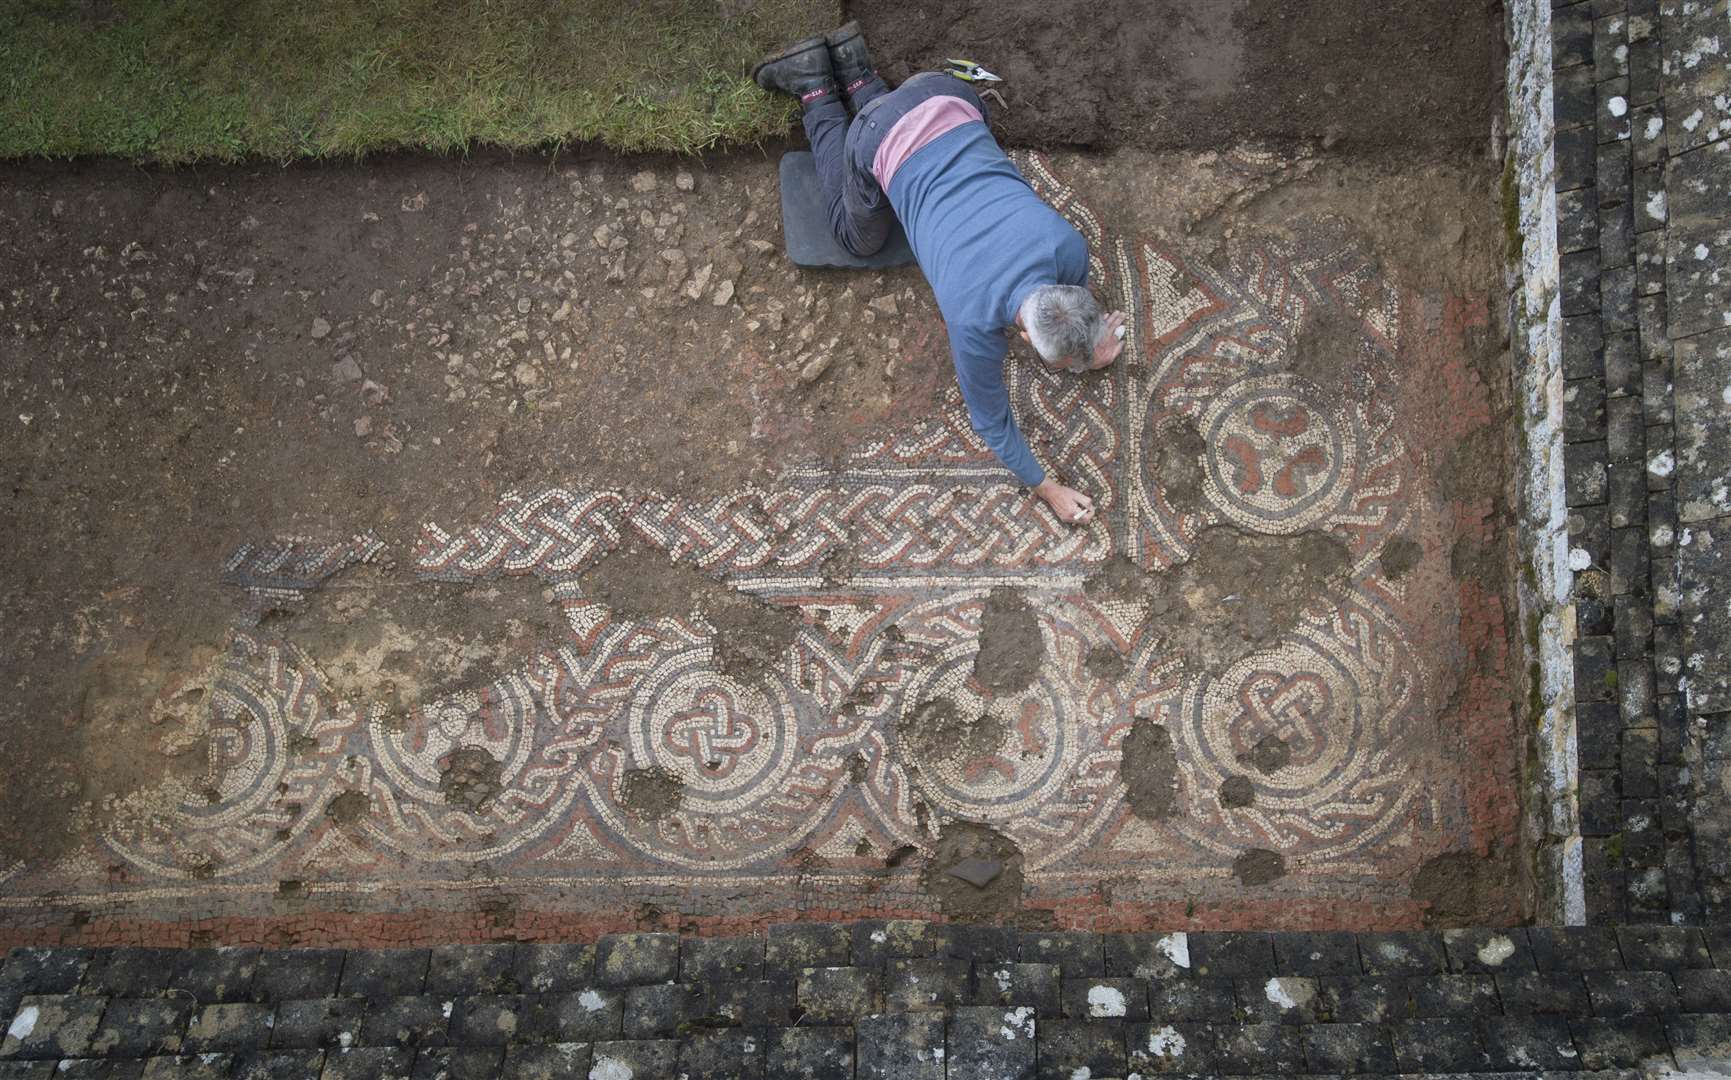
{"type": "Point", "coordinates": [384, 973]}
{"type": "Point", "coordinates": [900, 1046]}
{"type": "Point", "coordinates": [1702, 395]}
{"type": "Point", "coordinates": [1698, 241]}
{"type": "Point", "coordinates": [1697, 80]}
{"type": "Point", "coordinates": [53, 1026]}
{"type": "Point", "coordinates": [487, 1062]}
{"type": "Point", "coordinates": [810, 1053]}
{"type": "Point", "coordinates": [991, 1043]}
{"type": "Point", "coordinates": [1704, 584]}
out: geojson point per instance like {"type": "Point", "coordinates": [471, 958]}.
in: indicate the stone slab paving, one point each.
{"type": "Point", "coordinates": [1371, 733]}
{"type": "Point", "coordinates": [1644, 226]}
{"type": "Point", "coordinates": [1528, 1003]}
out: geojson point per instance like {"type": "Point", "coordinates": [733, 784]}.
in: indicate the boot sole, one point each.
{"type": "Point", "coordinates": [804, 45]}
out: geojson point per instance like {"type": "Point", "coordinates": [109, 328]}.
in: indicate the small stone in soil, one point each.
{"type": "Point", "coordinates": [976, 872]}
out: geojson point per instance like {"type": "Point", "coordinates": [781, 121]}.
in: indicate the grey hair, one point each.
{"type": "Point", "coordinates": [1063, 322]}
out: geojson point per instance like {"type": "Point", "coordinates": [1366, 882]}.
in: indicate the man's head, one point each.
{"type": "Point", "coordinates": [1063, 322]}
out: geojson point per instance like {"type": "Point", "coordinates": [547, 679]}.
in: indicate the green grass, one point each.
{"type": "Point", "coordinates": [188, 80]}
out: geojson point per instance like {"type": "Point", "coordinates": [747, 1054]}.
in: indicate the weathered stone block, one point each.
{"type": "Point", "coordinates": [838, 995]}
{"type": "Point", "coordinates": [1616, 237]}
{"type": "Point", "coordinates": [1577, 159]}
{"type": "Point", "coordinates": [1077, 953]}
{"type": "Point", "coordinates": [721, 1055]}
{"type": "Point", "coordinates": [878, 941]}
{"type": "Point", "coordinates": [134, 1028]}
{"type": "Point", "coordinates": [1229, 955]}
{"type": "Point", "coordinates": [1621, 1043]}
{"type": "Point", "coordinates": [1545, 992]}
{"type": "Point", "coordinates": [456, 970]}
{"type": "Point", "coordinates": [323, 1022]}
{"type": "Point", "coordinates": [53, 1026]}
{"type": "Point", "coordinates": [216, 975]}
{"type": "Point", "coordinates": [810, 1053]}
{"type": "Point", "coordinates": [1584, 479]}
{"type": "Point", "coordinates": [1697, 81]}
{"type": "Point", "coordinates": [415, 1020]}
{"type": "Point", "coordinates": [991, 1043]}
{"type": "Point", "coordinates": [1034, 985]}
{"type": "Point", "coordinates": [1519, 1043]}
{"type": "Point", "coordinates": [753, 1003]}
{"type": "Point", "coordinates": [1631, 993]}
{"type": "Point", "coordinates": [933, 983]}
{"type": "Point", "coordinates": [900, 1046]}
{"type": "Point", "coordinates": [730, 959]}
{"type": "Point", "coordinates": [1584, 410]}
{"type": "Point", "coordinates": [297, 974]}
{"type": "Point", "coordinates": [1572, 98]}
{"type": "Point", "coordinates": [1402, 952]}
{"type": "Point", "coordinates": [658, 1057]}
{"type": "Point", "coordinates": [636, 959]}
{"type": "Point", "coordinates": [1278, 999]}
{"type": "Point", "coordinates": [556, 969]}
{"type": "Point", "coordinates": [1456, 995]}
{"type": "Point", "coordinates": [1347, 1048]}
{"type": "Point", "coordinates": [595, 1014]}
{"type": "Point", "coordinates": [1663, 948]}
{"type": "Point", "coordinates": [790, 948]}
{"type": "Point", "coordinates": [547, 1061]}
{"type": "Point", "coordinates": [1441, 1044]}
{"type": "Point", "coordinates": [1703, 426]}
{"type": "Point", "coordinates": [1104, 998]}
{"type": "Point", "coordinates": [1579, 283]}
{"type": "Point", "coordinates": [377, 974]}
{"type": "Point", "coordinates": [525, 1060]}
{"type": "Point", "coordinates": [229, 1027]}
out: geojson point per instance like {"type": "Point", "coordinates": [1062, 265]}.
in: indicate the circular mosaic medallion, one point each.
{"type": "Point", "coordinates": [729, 743]}
{"type": "Point", "coordinates": [1316, 725]}
{"type": "Point", "coordinates": [1278, 459]}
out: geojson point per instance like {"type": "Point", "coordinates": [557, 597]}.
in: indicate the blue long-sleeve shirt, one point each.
{"type": "Point", "coordinates": [984, 241]}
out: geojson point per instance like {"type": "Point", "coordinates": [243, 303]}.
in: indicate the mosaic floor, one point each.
{"type": "Point", "coordinates": [1386, 689]}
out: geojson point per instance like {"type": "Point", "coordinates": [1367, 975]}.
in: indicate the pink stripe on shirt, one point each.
{"type": "Point", "coordinates": [923, 123]}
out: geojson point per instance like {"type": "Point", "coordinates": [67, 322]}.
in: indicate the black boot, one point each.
{"type": "Point", "coordinates": [849, 56]}
{"type": "Point", "coordinates": [802, 69]}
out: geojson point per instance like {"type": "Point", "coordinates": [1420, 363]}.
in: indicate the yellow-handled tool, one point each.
{"type": "Point", "coordinates": [970, 71]}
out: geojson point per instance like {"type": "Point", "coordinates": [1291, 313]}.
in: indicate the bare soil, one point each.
{"type": "Point", "coordinates": [1405, 77]}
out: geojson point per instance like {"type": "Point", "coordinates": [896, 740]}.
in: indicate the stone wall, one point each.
{"type": "Point", "coordinates": [1618, 110]}
{"type": "Point", "coordinates": [883, 1000]}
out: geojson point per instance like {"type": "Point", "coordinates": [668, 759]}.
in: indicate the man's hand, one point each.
{"type": "Point", "coordinates": [1110, 343]}
{"type": "Point", "coordinates": [1071, 506]}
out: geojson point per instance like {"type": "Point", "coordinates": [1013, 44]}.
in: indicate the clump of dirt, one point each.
{"type": "Point", "coordinates": [349, 807]}
{"type": "Point", "coordinates": [1259, 866]}
{"type": "Point", "coordinates": [1149, 769]}
{"type": "Point", "coordinates": [1177, 468]}
{"type": "Point", "coordinates": [1239, 592]}
{"type": "Point", "coordinates": [1328, 352]}
{"type": "Point", "coordinates": [958, 843]}
{"type": "Point", "coordinates": [1237, 792]}
{"type": "Point", "coordinates": [1270, 754]}
{"type": "Point", "coordinates": [1396, 75]}
{"type": "Point", "coordinates": [1011, 647]}
{"type": "Point", "coordinates": [470, 778]}
{"type": "Point", "coordinates": [935, 732]}
{"type": "Point", "coordinates": [751, 637]}
{"type": "Point", "coordinates": [380, 636]}
{"type": "Point", "coordinates": [1105, 662]}
{"type": "Point", "coordinates": [650, 794]}
{"type": "Point", "coordinates": [1400, 557]}
{"type": "Point", "coordinates": [1456, 886]}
